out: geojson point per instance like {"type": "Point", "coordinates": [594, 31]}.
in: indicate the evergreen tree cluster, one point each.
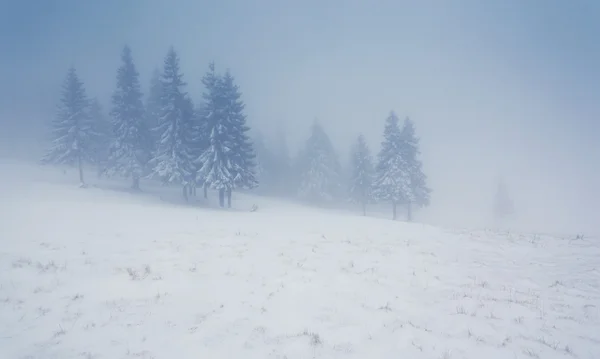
{"type": "Point", "coordinates": [166, 137]}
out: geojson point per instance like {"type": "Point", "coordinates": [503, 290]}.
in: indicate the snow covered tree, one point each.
{"type": "Point", "coordinates": [173, 160]}
{"type": "Point", "coordinates": [72, 129]}
{"type": "Point", "coordinates": [228, 160]}
{"type": "Point", "coordinates": [153, 110]}
{"type": "Point", "coordinates": [103, 138]}
{"type": "Point", "coordinates": [392, 179]}
{"type": "Point", "coordinates": [419, 192]}
{"type": "Point", "coordinates": [319, 168]}
{"type": "Point", "coordinates": [129, 153]}
{"type": "Point", "coordinates": [361, 181]}
{"type": "Point", "coordinates": [503, 205]}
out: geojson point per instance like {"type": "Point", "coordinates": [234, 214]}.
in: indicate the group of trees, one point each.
{"type": "Point", "coordinates": [166, 137]}
{"type": "Point", "coordinates": [317, 176]}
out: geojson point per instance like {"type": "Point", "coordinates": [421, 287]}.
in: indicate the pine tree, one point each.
{"type": "Point", "coordinates": [319, 168]}
{"type": "Point", "coordinates": [173, 160]}
{"type": "Point", "coordinates": [129, 152]}
{"type": "Point", "coordinates": [419, 192]}
{"type": "Point", "coordinates": [228, 160]}
{"type": "Point", "coordinates": [72, 129]}
{"type": "Point", "coordinates": [153, 111]}
{"type": "Point", "coordinates": [392, 179]}
{"type": "Point", "coordinates": [361, 181]}
{"type": "Point", "coordinates": [242, 155]}
{"type": "Point", "coordinates": [103, 139]}
{"type": "Point", "coordinates": [214, 169]}
{"type": "Point", "coordinates": [503, 205]}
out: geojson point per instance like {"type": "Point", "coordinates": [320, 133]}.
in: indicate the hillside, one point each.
{"type": "Point", "coordinates": [103, 273]}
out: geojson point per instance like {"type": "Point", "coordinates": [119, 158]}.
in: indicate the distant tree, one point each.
{"type": "Point", "coordinates": [319, 168]}
{"type": "Point", "coordinates": [130, 152]}
{"type": "Point", "coordinates": [72, 129]}
{"type": "Point", "coordinates": [392, 181]}
{"type": "Point", "coordinates": [173, 160]}
{"type": "Point", "coordinates": [419, 193]}
{"type": "Point", "coordinates": [103, 138]}
{"type": "Point", "coordinates": [228, 161]}
{"type": "Point", "coordinates": [361, 181]}
{"type": "Point", "coordinates": [503, 205]}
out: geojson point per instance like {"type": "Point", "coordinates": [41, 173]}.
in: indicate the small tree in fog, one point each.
{"type": "Point", "coordinates": [129, 153]}
{"type": "Point", "coordinates": [419, 192]}
{"type": "Point", "coordinates": [319, 168]}
{"type": "Point", "coordinates": [392, 180]}
{"type": "Point", "coordinates": [103, 140]}
{"type": "Point", "coordinates": [361, 181]}
{"type": "Point", "coordinates": [503, 205]}
{"type": "Point", "coordinates": [72, 129]}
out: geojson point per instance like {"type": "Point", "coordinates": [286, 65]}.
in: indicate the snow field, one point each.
{"type": "Point", "coordinates": [98, 273]}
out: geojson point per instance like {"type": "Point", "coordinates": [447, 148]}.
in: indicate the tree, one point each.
{"type": "Point", "coordinates": [129, 152]}
{"type": "Point", "coordinates": [503, 205]}
{"type": "Point", "coordinates": [103, 138]}
{"type": "Point", "coordinates": [419, 192]}
{"type": "Point", "coordinates": [319, 168]}
{"type": "Point", "coordinates": [72, 129]}
{"type": "Point", "coordinates": [242, 155]}
{"type": "Point", "coordinates": [361, 181]}
{"type": "Point", "coordinates": [392, 181]}
{"type": "Point", "coordinates": [173, 160]}
{"type": "Point", "coordinates": [228, 160]}
{"type": "Point", "coordinates": [153, 110]}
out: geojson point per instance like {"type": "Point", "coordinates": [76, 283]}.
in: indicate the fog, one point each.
{"type": "Point", "coordinates": [505, 89]}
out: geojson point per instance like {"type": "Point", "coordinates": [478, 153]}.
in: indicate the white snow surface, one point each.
{"type": "Point", "coordinates": [99, 272]}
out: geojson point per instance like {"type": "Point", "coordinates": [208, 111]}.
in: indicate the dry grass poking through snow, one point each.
{"type": "Point", "coordinates": [94, 274]}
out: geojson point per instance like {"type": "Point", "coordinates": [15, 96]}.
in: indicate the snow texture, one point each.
{"type": "Point", "coordinates": [97, 273]}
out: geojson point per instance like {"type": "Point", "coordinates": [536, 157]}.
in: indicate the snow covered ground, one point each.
{"type": "Point", "coordinates": [103, 273]}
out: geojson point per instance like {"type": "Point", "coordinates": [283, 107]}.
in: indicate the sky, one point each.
{"type": "Point", "coordinates": [506, 89]}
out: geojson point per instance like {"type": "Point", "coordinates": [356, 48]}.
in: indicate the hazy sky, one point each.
{"type": "Point", "coordinates": [507, 87]}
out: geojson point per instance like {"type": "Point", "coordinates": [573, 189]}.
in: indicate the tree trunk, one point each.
{"type": "Point", "coordinates": [205, 187]}
{"type": "Point", "coordinates": [364, 208]}
{"type": "Point", "coordinates": [135, 185]}
{"type": "Point", "coordinates": [80, 165]}
{"type": "Point", "coordinates": [229, 198]}
{"type": "Point", "coordinates": [185, 193]}
{"type": "Point", "coordinates": [394, 210]}
{"type": "Point", "coordinates": [222, 197]}
{"type": "Point", "coordinates": [194, 189]}
{"type": "Point", "coordinates": [409, 211]}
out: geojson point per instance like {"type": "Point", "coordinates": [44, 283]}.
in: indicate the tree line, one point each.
{"type": "Point", "coordinates": [165, 136]}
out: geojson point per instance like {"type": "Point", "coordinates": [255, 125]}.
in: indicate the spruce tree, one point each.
{"type": "Point", "coordinates": [129, 152]}
{"type": "Point", "coordinates": [228, 160]}
{"type": "Point", "coordinates": [173, 160]}
{"type": "Point", "coordinates": [214, 167]}
{"type": "Point", "coordinates": [319, 168]}
{"type": "Point", "coordinates": [72, 129]}
{"type": "Point", "coordinates": [242, 155]}
{"type": "Point", "coordinates": [103, 138]}
{"type": "Point", "coordinates": [153, 111]}
{"type": "Point", "coordinates": [503, 205]}
{"type": "Point", "coordinates": [392, 179]}
{"type": "Point", "coordinates": [361, 181]}
{"type": "Point", "coordinates": [419, 192]}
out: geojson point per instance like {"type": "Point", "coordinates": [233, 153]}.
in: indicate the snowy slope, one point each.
{"type": "Point", "coordinates": [102, 273]}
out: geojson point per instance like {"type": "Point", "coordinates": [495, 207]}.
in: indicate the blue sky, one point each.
{"type": "Point", "coordinates": [507, 88]}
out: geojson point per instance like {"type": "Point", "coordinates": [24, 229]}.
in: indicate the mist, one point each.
{"type": "Point", "coordinates": [507, 89]}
